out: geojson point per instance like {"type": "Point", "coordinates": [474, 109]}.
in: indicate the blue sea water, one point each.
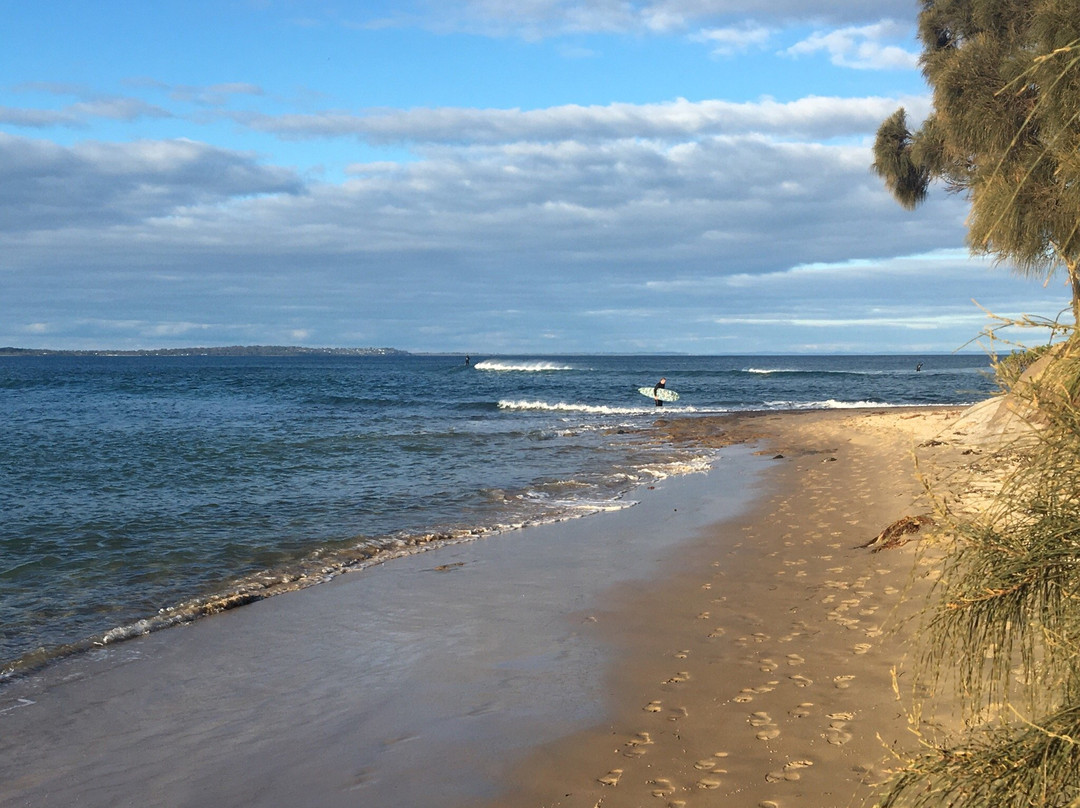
{"type": "Point", "coordinates": [136, 492]}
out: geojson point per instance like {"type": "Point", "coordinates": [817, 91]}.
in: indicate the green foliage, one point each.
{"type": "Point", "coordinates": [894, 163]}
{"type": "Point", "coordinates": [1005, 128]}
{"type": "Point", "coordinates": [1013, 767]}
{"type": "Point", "coordinates": [1005, 619]}
{"type": "Point", "coordinates": [1008, 369]}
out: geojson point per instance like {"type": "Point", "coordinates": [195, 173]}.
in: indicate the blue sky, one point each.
{"type": "Point", "coordinates": [489, 176]}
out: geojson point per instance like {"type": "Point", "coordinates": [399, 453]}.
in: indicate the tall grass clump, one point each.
{"type": "Point", "coordinates": [1003, 625]}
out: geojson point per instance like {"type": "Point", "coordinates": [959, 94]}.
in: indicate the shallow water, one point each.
{"type": "Point", "coordinates": [415, 683]}
{"type": "Point", "coordinates": [135, 492]}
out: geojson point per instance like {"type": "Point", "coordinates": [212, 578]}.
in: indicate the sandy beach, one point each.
{"type": "Point", "coordinates": [760, 672]}
{"type": "Point", "coordinates": [726, 642]}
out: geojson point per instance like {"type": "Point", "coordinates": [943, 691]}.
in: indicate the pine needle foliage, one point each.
{"type": "Point", "coordinates": [1013, 767]}
{"type": "Point", "coordinates": [1004, 130]}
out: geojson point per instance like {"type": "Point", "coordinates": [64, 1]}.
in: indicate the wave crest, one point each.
{"type": "Point", "coordinates": [831, 404]}
{"type": "Point", "coordinates": [519, 367]}
{"type": "Point", "coordinates": [562, 406]}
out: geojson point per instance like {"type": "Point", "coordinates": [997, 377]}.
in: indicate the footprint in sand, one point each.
{"type": "Point", "coordinates": [710, 764]}
{"type": "Point", "coordinates": [767, 665]}
{"type": "Point", "coordinates": [677, 712]}
{"type": "Point", "coordinates": [861, 648]}
{"type": "Point", "coordinates": [842, 682]}
{"type": "Point", "coordinates": [662, 787]}
{"type": "Point", "coordinates": [703, 616]}
{"type": "Point", "coordinates": [682, 654]}
{"type": "Point", "coordinates": [678, 678]}
{"type": "Point", "coordinates": [708, 783]}
{"type": "Point", "coordinates": [652, 707]}
{"type": "Point", "coordinates": [801, 681]}
{"type": "Point", "coordinates": [794, 660]}
{"type": "Point", "coordinates": [790, 772]}
{"type": "Point", "coordinates": [747, 693]}
{"type": "Point", "coordinates": [801, 711]}
{"type": "Point", "coordinates": [767, 730]}
{"type": "Point", "coordinates": [635, 746]}
{"type": "Point", "coordinates": [837, 733]}
{"type": "Point", "coordinates": [611, 778]}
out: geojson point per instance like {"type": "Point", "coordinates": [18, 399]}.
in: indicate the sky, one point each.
{"type": "Point", "coordinates": [483, 176]}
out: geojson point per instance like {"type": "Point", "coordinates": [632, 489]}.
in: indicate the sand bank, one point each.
{"type": "Point", "coordinates": [760, 671]}
{"type": "Point", "coordinates": [723, 642]}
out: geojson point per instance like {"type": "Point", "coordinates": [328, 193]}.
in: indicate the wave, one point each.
{"type": "Point", "coordinates": [520, 367]}
{"type": "Point", "coordinates": [819, 371]}
{"type": "Point", "coordinates": [830, 404]}
{"type": "Point", "coordinates": [562, 406]}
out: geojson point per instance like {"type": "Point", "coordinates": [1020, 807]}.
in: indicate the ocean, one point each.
{"type": "Point", "coordinates": [141, 492]}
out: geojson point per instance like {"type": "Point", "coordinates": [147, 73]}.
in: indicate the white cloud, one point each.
{"type": "Point", "coordinates": [730, 41]}
{"type": "Point", "coordinates": [746, 203]}
{"type": "Point", "coordinates": [175, 329]}
{"type": "Point", "coordinates": [863, 48]}
{"type": "Point", "coordinates": [82, 113]}
{"type": "Point", "coordinates": [45, 186]}
{"type": "Point", "coordinates": [536, 19]}
{"type": "Point", "coordinates": [814, 117]}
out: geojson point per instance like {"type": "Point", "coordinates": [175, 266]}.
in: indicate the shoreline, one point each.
{"type": "Point", "coordinates": [742, 656]}
{"type": "Point", "coordinates": [763, 670]}
{"type": "Point", "coordinates": [416, 683]}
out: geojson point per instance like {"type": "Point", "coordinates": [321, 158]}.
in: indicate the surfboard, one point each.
{"type": "Point", "coordinates": [663, 393]}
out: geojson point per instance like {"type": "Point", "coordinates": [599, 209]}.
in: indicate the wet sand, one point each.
{"type": "Point", "coordinates": [724, 642]}
{"type": "Point", "coordinates": [419, 682]}
{"type": "Point", "coordinates": [759, 672]}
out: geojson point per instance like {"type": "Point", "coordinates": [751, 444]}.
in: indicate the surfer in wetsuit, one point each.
{"type": "Point", "coordinates": [659, 385]}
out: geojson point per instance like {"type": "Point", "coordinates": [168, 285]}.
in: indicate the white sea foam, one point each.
{"type": "Point", "coordinates": [830, 404]}
{"type": "Point", "coordinates": [519, 367]}
{"type": "Point", "coordinates": [815, 371]}
{"type": "Point", "coordinates": [562, 406]}
{"type": "Point", "coordinates": [677, 468]}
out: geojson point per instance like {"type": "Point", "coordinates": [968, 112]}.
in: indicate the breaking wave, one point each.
{"type": "Point", "coordinates": [562, 406]}
{"type": "Point", "coordinates": [519, 367]}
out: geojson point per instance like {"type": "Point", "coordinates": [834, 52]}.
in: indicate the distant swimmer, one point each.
{"type": "Point", "coordinates": [659, 386]}
{"type": "Point", "coordinates": [466, 360]}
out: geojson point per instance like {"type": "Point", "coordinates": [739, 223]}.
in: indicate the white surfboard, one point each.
{"type": "Point", "coordinates": [663, 393]}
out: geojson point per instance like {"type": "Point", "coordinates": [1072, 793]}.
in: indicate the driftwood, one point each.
{"type": "Point", "coordinates": [898, 533]}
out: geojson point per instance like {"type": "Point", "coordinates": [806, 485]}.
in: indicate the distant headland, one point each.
{"type": "Point", "coordinates": [229, 350]}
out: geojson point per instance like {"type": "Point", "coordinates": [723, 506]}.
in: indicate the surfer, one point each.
{"type": "Point", "coordinates": [659, 385]}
